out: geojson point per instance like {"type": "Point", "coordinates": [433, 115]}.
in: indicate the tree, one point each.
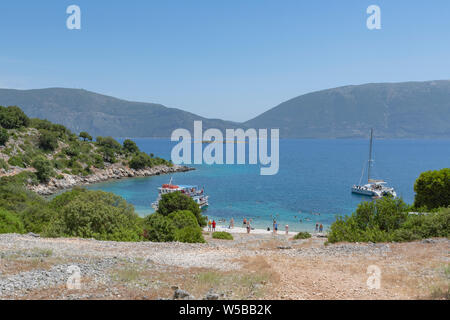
{"type": "Point", "coordinates": [159, 228]}
{"type": "Point", "coordinates": [4, 136]}
{"type": "Point", "coordinates": [109, 142]}
{"type": "Point", "coordinates": [44, 169]}
{"type": "Point", "coordinates": [177, 201]}
{"type": "Point", "coordinates": [13, 117]}
{"type": "Point", "coordinates": [183, 218]}
{"type": "Point", "coordinates": [85, 136]}
{"type": "Point", "coordinates": [130, 146]}
{"type": "Point", "coordinates": [140, 161]}
{"type": "Point", "coordinates": [433, 189]}
{"type": "Point", "coordinates": [48, 140]}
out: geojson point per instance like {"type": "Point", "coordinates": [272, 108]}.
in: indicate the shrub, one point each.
{"type": "Point", "coordinates": [189, 235]}
{"type": "Point", "coordinates": [17, 161]}
{"type": "Point", "coordinates": [222, 235]}
{"type": "Point", "coordinates": [95, 214]}
{"type": "Point", "coordinates": [302, 235]}
{"type": "Point", "coordinates": [3, 164]}
{"type": "Point", "coordinates": [433, 189]}
{"type": "Point", "coordinates": [140, 161]}
{"type": "Point", "coordinates": [130, 146]}
{"type": "Point", "coordinates": [109, 142]}
{"type": "Point", "coordinates": [85, 136]}
{"type": "Point", "coordinates": [176, 201]}
{"type": "Point", "coordinates": [48, 140]}
{"type": "Point", "coordinates": [13, 118]}
{"type": "Point", "coordinates": [10, 223]}
{"type": "Point", "coordinates": [159, 228]}
{"type": "Point", "coordinates": [44, 168]}
{"type": "Point", "coordinates": [183, 218]}
{"type": "Point", "coordinates": [4, 136]}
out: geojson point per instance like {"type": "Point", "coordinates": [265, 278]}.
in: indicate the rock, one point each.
{"type": "Point", "coordinates": [180, 294]}
{"type": "Point", "coordinates": [428, 241]}
{"type": "Point", "coordinates": [284, 247]}
{"type": "Point", "coordinates": [211, 295]}
{"type": "Point", "coordinates": [34, 235]}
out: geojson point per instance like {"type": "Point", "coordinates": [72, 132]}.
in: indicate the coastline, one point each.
{"type": "Point", "coordinates": [112, 172]}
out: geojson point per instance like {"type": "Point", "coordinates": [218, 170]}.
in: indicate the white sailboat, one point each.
{"type": "Point", "coordinates": [373, 188]}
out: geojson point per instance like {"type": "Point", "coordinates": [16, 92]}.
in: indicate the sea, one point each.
{"type": "Point", "coordinates": [313, 184]}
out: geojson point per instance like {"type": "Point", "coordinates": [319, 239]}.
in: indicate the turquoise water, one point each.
{"type": "Point", "coordinates": [315, 176]}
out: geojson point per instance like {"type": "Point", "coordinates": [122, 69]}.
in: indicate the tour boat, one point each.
{"type": "Point", "coordinates": [373, 188]}
{"type": "Point", "coordinates": [192, 191]}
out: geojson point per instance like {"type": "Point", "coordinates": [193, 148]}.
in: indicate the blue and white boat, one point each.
{"type": "Point", "coordinates": [373, 188]}
{"type": "Point", "coordinates": [192, 191]}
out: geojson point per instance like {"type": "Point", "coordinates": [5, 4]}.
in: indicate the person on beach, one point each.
{"type": "Point", "coordinates": [244, 223]}
{"type": "Point", "coordinates": [209, 225]}
{"type": "Point", "coordinates": [248, 227]}
{"type": "Point", "coordinates": [275, 227]}
{"type": "Point", "coordinates": [287, 229]}
{"type": "Point", "coordinates": [321, 228]}
{"type": "Point", "coordinates": [231, 223]}
{"type": "Point", "coordinates": [214, 225]}
{"type": "Point", "coordinates": [317, 227]}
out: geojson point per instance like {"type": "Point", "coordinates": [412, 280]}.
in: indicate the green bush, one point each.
{"type": "Point", "coordinates": [17, 161]}
{"type": "Point", "coordinates": [4, 136]}
{"type": "Point", "coordinates": [13, 118]}
{"type": "Point", "coordinates": [3, 164]}
{"type": "Point", "coordinates": [47, 140]}
{"type": "Point", "coordinates": [44, 168]}
{"type": "Point", "coordinates": [158, 228]}
{"type": "Point", "coordinates": [95, 214]}
{"type": "Point", "coordinates": [177, 201]}
{"type": "Point", "coordinates": [10, 223]}
{"type": "Point", "coordinates": [130, 146]}
{"type": "Point", "coordinates": [302, 235]}
{"type": "Point", "coordinates": [433, 189]}
{"type": "Point", "coordinates": [222, 235]}
{"type": "Point", "coordinates": [140, 161]}
{"type": "Point", "coordinates": [183, 218]}
{"type": "Point", "coordinates": [85, 136]}
{"type": "Point", "coordinates": [189, 235]}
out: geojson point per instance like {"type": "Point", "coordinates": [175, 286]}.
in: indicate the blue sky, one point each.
{"type": "Point", "coordinates": [230, 59]}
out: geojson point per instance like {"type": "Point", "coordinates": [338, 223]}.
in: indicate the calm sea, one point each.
{"type": "Point", "coordinates": [315, 178]}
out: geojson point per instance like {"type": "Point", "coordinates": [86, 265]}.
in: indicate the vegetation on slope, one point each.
{"type": "Point", "coordinates": [53, 150]}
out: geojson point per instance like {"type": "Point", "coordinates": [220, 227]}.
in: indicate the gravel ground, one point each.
{"type": "Point", "coordinates": [37, 268]}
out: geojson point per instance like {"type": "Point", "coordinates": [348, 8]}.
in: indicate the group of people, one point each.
{"type": "Point", "coordinates": [246, 223]}
{"type": "Point", "coordinates": [319, 228]}
{"type": "Point", "coordinates": [211, 225]}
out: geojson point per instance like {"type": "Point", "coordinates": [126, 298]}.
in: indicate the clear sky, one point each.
{"type": "Point", "coordinates": [230, 59]}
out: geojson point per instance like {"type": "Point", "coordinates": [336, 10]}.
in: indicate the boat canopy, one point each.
{"type": "Point", "coordinates": [377, 181]}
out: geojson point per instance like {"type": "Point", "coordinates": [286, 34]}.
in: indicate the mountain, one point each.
{"type": "Point", "coordinates": [394, 110]}
{"type": "Point", "coordinates": [101, 115]}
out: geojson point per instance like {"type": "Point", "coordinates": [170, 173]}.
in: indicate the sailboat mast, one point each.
{"type": "Point", "coordinates": [370, 156]}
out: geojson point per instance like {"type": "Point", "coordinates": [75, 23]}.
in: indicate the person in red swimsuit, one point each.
{"type": "Point", "coordinates": [214, 225]}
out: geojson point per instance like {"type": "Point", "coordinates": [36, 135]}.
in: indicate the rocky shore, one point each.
{"type": "Point", "coordinates": [111, 172]}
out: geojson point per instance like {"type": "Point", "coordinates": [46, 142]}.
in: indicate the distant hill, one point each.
{"type": "Point", "coordinates": [101, 115]}
{"type": "Point", "coordinates": [394, 110]}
